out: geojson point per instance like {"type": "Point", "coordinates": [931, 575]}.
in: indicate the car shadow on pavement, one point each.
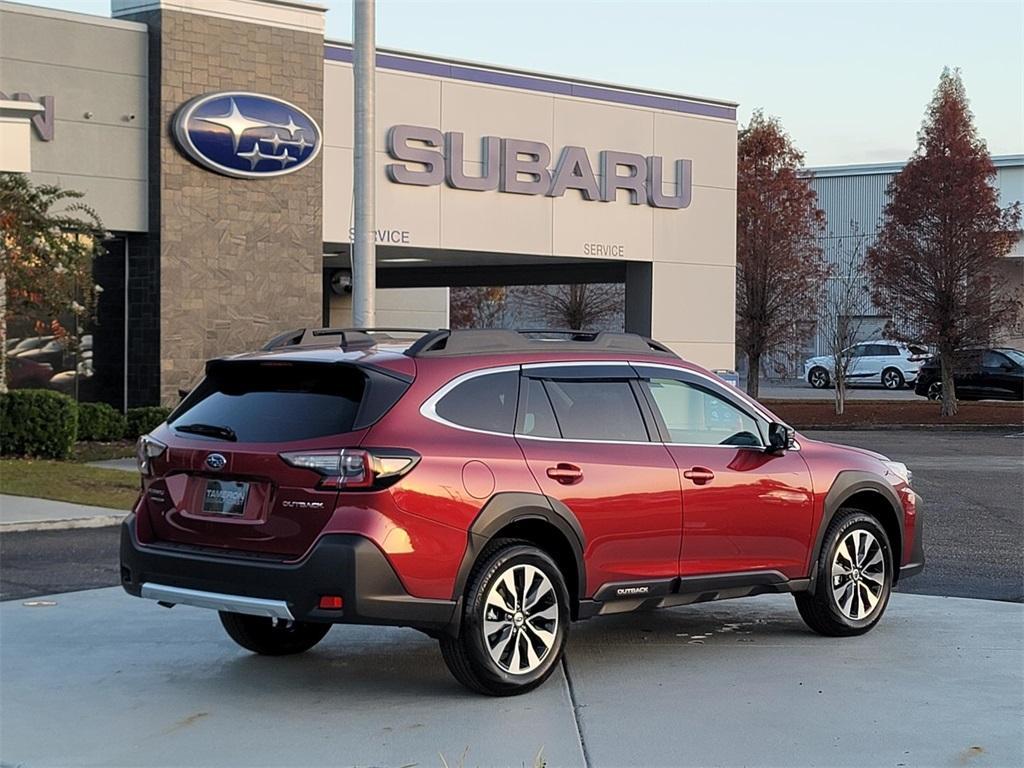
{"type": "Point", "coordinates": [401, 664]}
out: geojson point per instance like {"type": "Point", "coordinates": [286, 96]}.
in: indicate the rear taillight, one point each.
{"type": "Point", "coordinates": [354, 468]}
{"type": "Point", "coordinates": [147, 449]}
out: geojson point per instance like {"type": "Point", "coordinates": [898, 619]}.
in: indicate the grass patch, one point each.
{"type": "Point", "coordinates": [69, 481]}
{"type": "Point", "coordinates": [90, 451]}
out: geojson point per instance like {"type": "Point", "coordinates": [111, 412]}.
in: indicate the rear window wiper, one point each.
{"type": "Point", "coordinates": [209, 430]}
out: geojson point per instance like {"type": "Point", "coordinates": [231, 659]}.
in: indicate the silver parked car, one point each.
{"type": "Point", "coordinates": [892, 364]}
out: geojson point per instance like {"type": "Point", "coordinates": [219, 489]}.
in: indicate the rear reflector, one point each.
{"type": "Point", "coordinates": [331, 602]}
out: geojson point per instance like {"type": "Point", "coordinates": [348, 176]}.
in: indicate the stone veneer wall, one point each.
{"type": "Point", "coordinates": [240, 260]}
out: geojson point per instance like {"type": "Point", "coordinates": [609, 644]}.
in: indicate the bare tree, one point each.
{"type": "Point", "coordinates": [581, 306]}
{"type": "Point", "coordinates": [844, 302]}
{"type": "Point", "coordinates": [477, 306]}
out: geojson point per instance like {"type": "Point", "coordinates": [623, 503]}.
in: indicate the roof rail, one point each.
{"type": "Point", "coordinates": [348, 338]}
{"type": "Point", "coordinates": [443, 343]}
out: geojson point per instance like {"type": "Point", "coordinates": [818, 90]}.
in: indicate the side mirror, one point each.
{"type": "Point", "coordinates": [780, 437]}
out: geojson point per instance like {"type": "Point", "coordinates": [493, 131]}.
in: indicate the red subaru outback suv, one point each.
{"type": "Point", "coordinates": [488, 487]}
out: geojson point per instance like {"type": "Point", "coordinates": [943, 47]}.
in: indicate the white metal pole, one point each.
{"type": "Point", "coordinates": [364, 258]}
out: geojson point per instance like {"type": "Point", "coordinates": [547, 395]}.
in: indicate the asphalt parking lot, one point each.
{"type": "Point", "coordinates": [972, 484]}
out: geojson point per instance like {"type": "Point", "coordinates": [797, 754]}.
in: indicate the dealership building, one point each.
{"type": "Point", "coordinates": [215, 140]}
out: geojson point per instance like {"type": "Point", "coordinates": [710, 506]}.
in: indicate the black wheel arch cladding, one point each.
{"type": "Point", "coordinates": [874, 496]}
{"type": "Point", "coordinates": [504, 510]}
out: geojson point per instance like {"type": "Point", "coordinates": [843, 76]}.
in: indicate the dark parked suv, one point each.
{"type": "Point", "coordinates": [978, 374]}
{"type": "Point", "coordinates": [490, 487]}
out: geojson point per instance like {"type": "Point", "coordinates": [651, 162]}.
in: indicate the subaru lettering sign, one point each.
{"type": "Point", "coordinates": [246, 134]}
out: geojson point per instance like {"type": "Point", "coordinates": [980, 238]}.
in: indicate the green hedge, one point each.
{"type": "Point", "coordinates": [38, 422]}
{"type": "Point", "coordinates": [143, 420]}
{"type": "Point", "coordinates": [99, 421]}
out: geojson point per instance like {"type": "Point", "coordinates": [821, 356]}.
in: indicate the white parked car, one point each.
{"type": "Point", "coordinates": [892, 364]}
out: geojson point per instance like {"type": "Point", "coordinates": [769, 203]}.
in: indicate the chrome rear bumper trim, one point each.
{"type": "Point", "coordinates": [254, 606]}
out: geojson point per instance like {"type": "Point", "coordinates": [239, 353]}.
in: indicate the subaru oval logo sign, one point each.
{"type": "Point", "coordinates": [216, 461]}
{"type": "Point", "coordinates": [246, 134]}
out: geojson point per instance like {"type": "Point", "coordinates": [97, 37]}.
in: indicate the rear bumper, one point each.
{"type": "Point", "coordinates": [339, 564]}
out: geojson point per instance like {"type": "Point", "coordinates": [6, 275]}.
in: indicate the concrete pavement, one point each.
{"type": "Point", "coordinates": [25, 513]}
{"type": "Point", "coordinates": [101, 678]}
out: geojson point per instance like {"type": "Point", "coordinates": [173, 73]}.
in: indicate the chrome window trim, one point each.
{"type": "Point", "coordinates": [587, 440]}
{"type": "Point", "coordinates": [429, 407]}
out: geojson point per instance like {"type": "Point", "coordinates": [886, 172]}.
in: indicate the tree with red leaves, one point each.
{"type": "Point", "coordinates": [779, 269]}
{"type": "Point", "coordinates": [933, 266]}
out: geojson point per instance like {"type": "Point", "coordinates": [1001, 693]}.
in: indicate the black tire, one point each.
{"type": "Point", "coordinates": [263, 635]}
{"type": "Point", "coordinates": [934, 391]}
{"type": "Point", "coordinates": [467, 656]}
{"type": "Point", "coordinates": [821, 610]}
{"type": "Point", "coordinates": [818, 377]}
{"type": "Point", "coordinates": [892, 378]}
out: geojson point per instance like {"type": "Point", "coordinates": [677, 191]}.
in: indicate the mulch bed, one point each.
{"type": "Point", "coordinates": [805, 414]}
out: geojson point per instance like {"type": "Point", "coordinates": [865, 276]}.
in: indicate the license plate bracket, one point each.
{"type": "Point", "coordinates": [225, 498]}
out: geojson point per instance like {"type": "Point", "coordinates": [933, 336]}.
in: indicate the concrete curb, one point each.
{"type": "Point", "coordinates": [28, 513]}
{"type": "Point", "coordinates": [97, 521]}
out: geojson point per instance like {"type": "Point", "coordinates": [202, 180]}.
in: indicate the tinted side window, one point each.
{"type": "Point", "coordinates": [597, 410]}
{"type": "Point", "coordinates": [888, 350]}
{"type": "Point", "coordinates": [857, 351]}
{"type": "Point", "coordinates": [993, 360]}
{"type": "Point", "coordinates": [485, 402]}
{"type": "Point", "coordinates": [538, 418]}
{"type": "Point", "coordinates": [697, 416]}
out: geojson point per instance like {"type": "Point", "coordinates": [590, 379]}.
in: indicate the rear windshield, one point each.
{"type": "Point", "coordinates": [272, 403]}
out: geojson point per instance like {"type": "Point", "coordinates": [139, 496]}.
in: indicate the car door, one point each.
{"type": "Point", "coordinates": [744, 509]}
{"type": "Point", "coordinates": [870, 363]}
{"type": "Point", "coordinates": [854, 365]}
{"type": "Point", "coordinates": [968, 375]}
{"type": "Point", "coordinates": [593, 449]}
{"type": "Point", "coordinates": [999, 376]}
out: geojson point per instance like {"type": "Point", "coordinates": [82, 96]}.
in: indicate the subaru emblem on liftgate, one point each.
{"type": "Point", "coordinates": [246, 134]}
{"type": "Point", "coordinates": [216, 461]}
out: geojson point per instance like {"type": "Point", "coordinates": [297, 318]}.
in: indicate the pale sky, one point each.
{"type": "Point", "coordinates": [849, 80]}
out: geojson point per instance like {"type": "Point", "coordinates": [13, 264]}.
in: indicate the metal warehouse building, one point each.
{"type": "Point", "coordinates": [215, 140]}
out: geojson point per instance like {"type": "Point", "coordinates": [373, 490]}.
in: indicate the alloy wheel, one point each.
{"type": "Point", "coordinates": [891, 379]}
{"type": "Point", "coordinates": [935, 391]}
{"type": "Point", "coordinates": [520, 619]}
{"type": "Point", "coordinates": [858, 574]}
{"type": "Point", "coordinates": [819, 379]}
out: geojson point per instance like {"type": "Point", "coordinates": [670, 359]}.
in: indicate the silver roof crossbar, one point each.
{"type": "Point", "coordinates": [342, 337]}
